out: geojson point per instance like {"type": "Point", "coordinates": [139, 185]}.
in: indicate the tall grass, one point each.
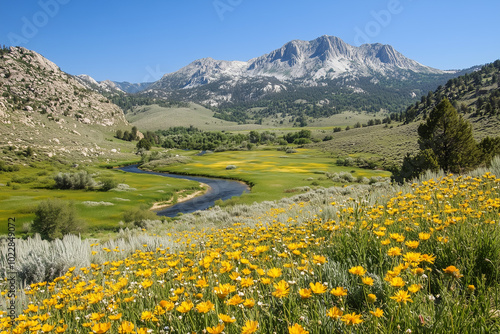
{"type": "Point", "coordinates": [381, 258]}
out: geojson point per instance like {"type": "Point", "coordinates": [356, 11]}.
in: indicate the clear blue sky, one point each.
{"type": "Point", "coordinates": [138, 41]}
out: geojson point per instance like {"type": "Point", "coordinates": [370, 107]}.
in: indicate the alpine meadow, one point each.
{"type": "Point", "coordinates": [324, 186]}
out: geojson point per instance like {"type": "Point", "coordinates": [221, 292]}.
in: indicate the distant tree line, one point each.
{"type": "Point", "coordinates": [127, 135]}
{"type": "Point", "coordinates": [192, 138]}
{"type": "Point", "coordinates": [330, 98]}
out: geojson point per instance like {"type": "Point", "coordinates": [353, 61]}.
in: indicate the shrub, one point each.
{"type": "Point", "coordinates": [8, 168]}
{"type": "Point", "coordinates": [327, 138]}
{"type": "Point", "coordinates": [23, 179]}
{"type": "Point", "coordinates": [79, 180]}
{"type": "Point", "coordinates": [144, 144]}
{"type": "Point", "coordinates": [55, 218]}
{"type": "Point", "coordinates": [108, 183]}
{"type": "Point", "coordinates": [139, 216]}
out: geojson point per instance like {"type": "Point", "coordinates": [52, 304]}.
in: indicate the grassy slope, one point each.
{"type": "Point", "coordinates": [379, 141]}
{"type": "Point", "coordinates": [154, 118]}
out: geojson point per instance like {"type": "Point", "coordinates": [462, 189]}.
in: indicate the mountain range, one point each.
{"type": "Point", "coordinates": [309, 62]}
{"type": "Point", "coordinates": [325, 71]}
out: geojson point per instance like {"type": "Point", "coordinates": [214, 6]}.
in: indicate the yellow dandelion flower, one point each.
{"type": "Point", "coordinates": [201, 283]}
{"type": "Point", "coordinates": [61, 329]}
{"type": "Point", "coordinates": [250, 327]}
{"type": "Point", "coordinates": [413, 244]}
{"type": "Point", "coordinates": [334, 313]}
{"type": "Point", "coordinates": [185, 306]}
{"type": "Point", "coordinates": [246, 282]}
{"type": "Point", "coordinates": [223, 290]}
{"type": "Point", "coordinates": [385, 242]}
{"type": "Point", "coordinates": [205, 307]}
{"type": "Point", "coordinates": [282, 289]}
{"type": "Point", "coordinates": [453, 271]}
{"type": "Point", "coordinates": [234, 275]}
{"type": "Point", "coordinates": [297, 329]}
{"type": "Point", "coordinates": [319, 259]}
{"type": "Point", "coordinates": [394, 251]}
{"type": "Point", "coordinates": [367, 280]}
{"type": "Point", "coordinates": [47, 328]}
{"type": "Point", "coordinates": [428, 258]}
{"type": "Point", "coordinates": [371, 298]}
{"type": "Point", "coordinates": [216, 329]}
{"type": "Point", "coordinates": [225, 267]}
{"type": "Point", "coordinates": [402, 296]}
{"type": "Point", "coordinates": [418, 271]}
{"type": "Point", "coordinates": [274, 272]}
{"type": "Point", "coordinates": [96, 316]}
{"type": "Point", "coordinates": [414, 288]}
{"type": "Point", "coordinates": [339, 292]}
{"type": "Point", "coordinates": [305, 293]}
{"type": "Point", "coordinates": [167, 305]}
{"type": "Point", "coordinates": [318, 288]}
{"type": "Point", "coordinates": [397, 282]}
{"type": "Point", "coordinates": [351, 319]}
{"type": "Point", "coordinates": [226, 319]}
{"type": "Point", "coordinates": [265, 280]}
{"type": "Point", "coordinates": [249, 303]}
{"type": "Point", "coordinates": [377, 313]}
{"type": "Point", "coordinates": [412, 257]}
{"type": "Point", "coordinates": [31, 308]}
{"type": "Point", "coordinates": [234, 300]}
{"type": "Point", "coordinates": [148, 316]}
{"type": "Point", "coordinates": [126, 327]}
{"type": "Point", "coordinates": [358, 270]}
{"type": "Point", "coordinates": [424, 236]}
{"type": "Point", "coordinates": [101, 328]}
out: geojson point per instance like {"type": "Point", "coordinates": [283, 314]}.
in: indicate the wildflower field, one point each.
{"type": "Point", "coordinates": [423, 261]}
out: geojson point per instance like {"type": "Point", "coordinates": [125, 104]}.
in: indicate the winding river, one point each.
{"type": "Point", "coordinates": [219, 189]}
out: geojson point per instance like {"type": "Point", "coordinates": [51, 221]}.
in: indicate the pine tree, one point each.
{"type": "Point", "coordinates": [449, 136]}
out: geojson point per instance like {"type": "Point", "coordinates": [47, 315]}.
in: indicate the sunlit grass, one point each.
{"type": "Point", "coordinates": [20, 200]}
{"type": "Point", "coordinates": [270, 172]}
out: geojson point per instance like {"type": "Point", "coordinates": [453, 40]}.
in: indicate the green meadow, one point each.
{"type": "Point", "coordinates": [272, 174]}
{"type": "Point", "coordinates": [22, 191]}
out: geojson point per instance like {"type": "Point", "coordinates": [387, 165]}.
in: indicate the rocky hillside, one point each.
{"type": "Point", "coordinates": [45, 109]}
{"type": "Point", "coordinates": [476, 94]}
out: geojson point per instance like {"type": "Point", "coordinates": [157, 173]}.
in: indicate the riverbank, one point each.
{"type": "Point", "coordinates": [157, 206]}
{"type": "Point", "coordinates": [215, 189]}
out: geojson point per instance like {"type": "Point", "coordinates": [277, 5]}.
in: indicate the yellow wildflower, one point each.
{"type": "Point", "coordinates": [358, 270]}
{"type": "Point", "coordinates": [334, 312]}
{"type": "Point", "coordinates": [317, 288]}
{"type": "Point", "coordinates": [352, 319]}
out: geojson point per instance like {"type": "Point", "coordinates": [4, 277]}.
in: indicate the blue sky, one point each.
{"type": "Point", "coordinates": [139, 41]}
